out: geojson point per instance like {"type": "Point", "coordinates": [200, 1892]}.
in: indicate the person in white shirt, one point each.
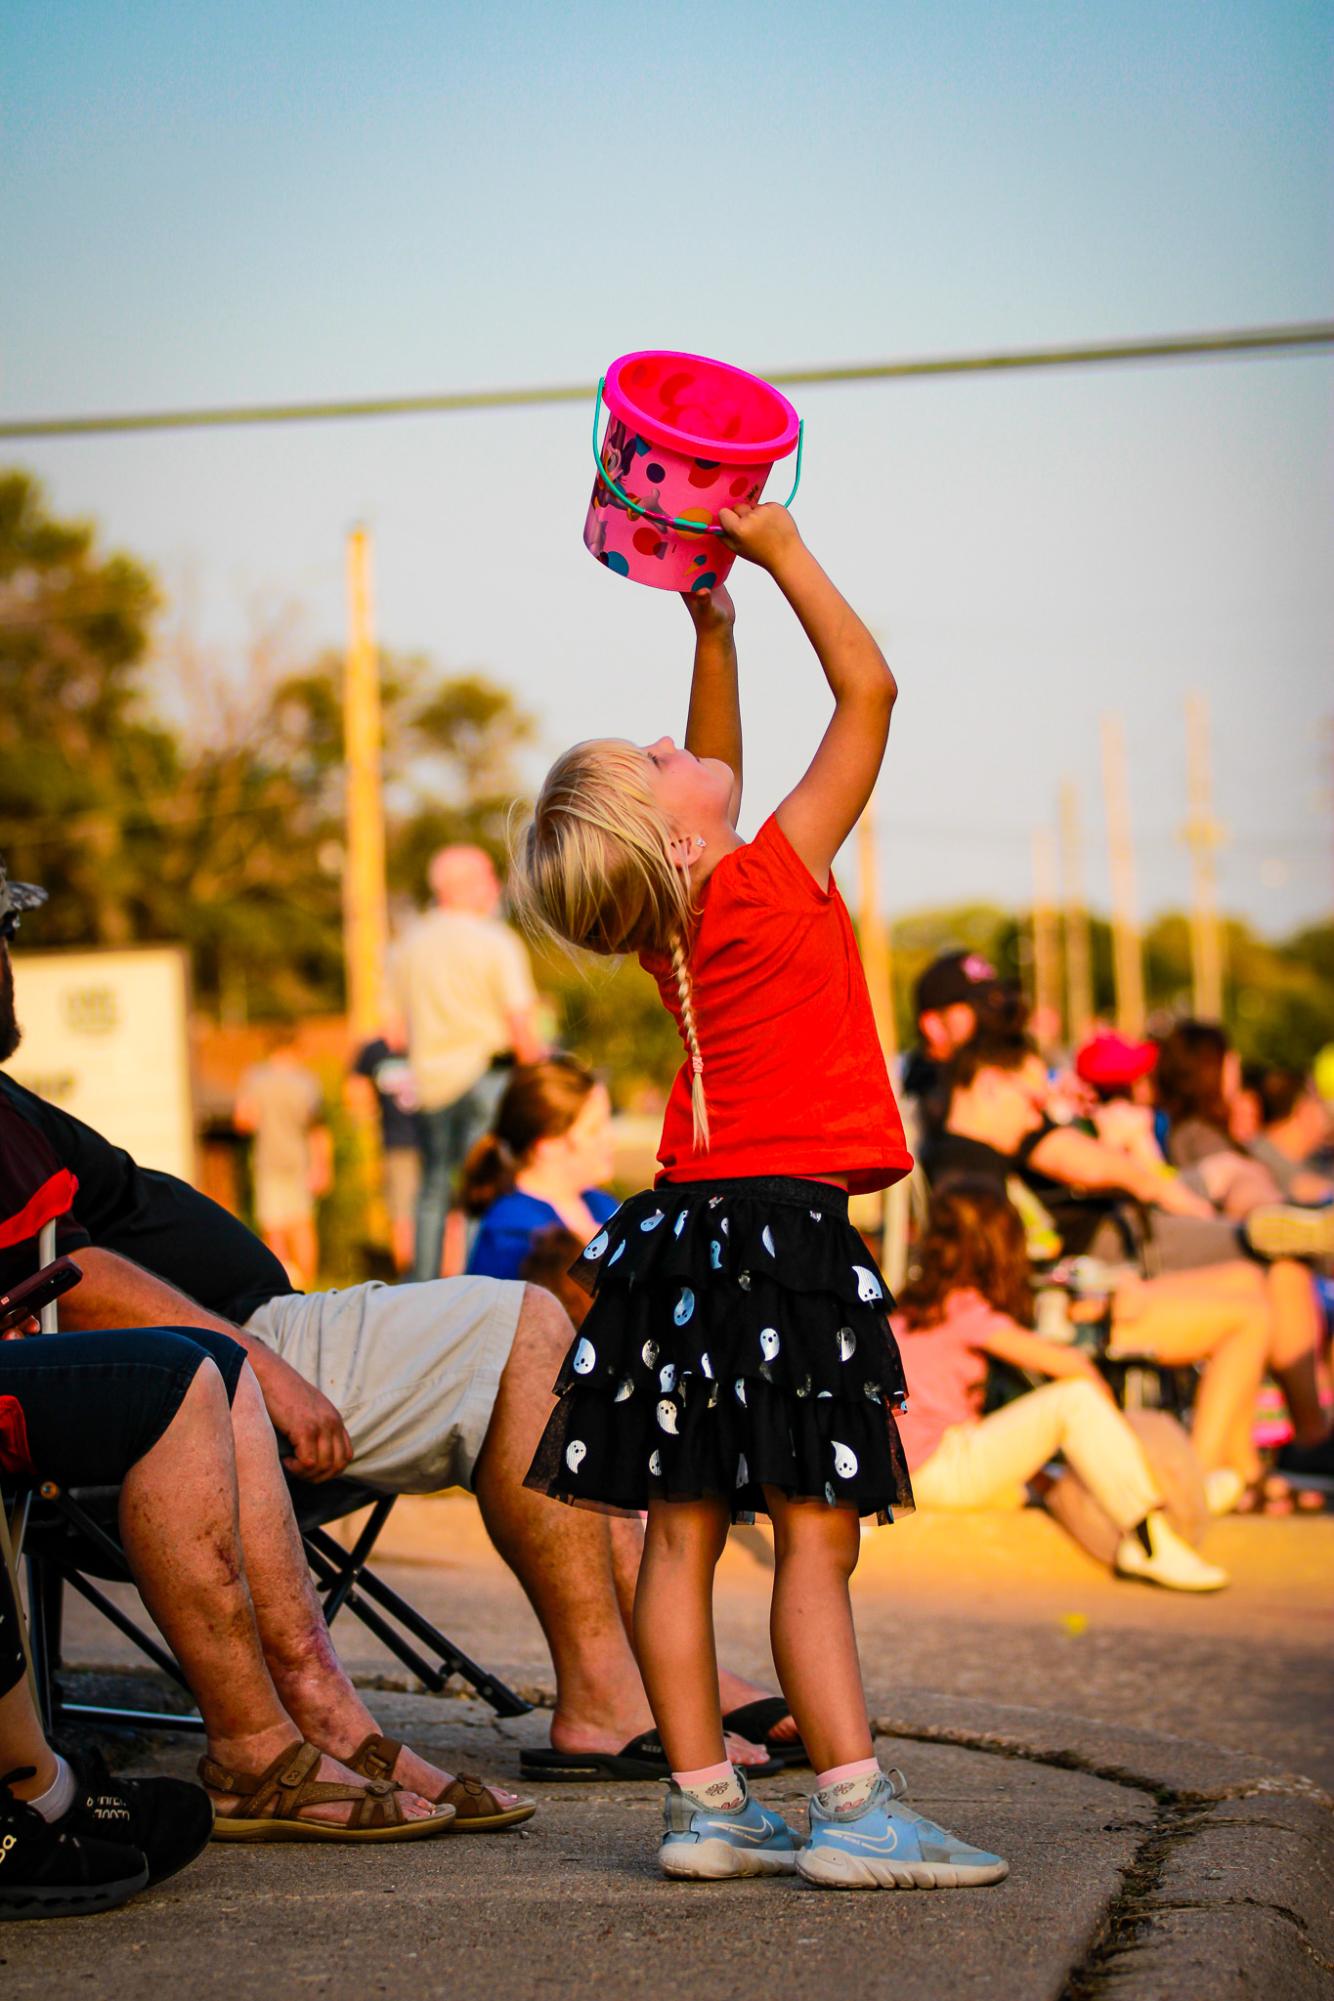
{"type": "Point", "coordinates": [464, 988]}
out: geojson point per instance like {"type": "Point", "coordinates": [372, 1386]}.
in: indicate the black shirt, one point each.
{"type": "Point", "coordinates": [153, 1219]}
{"type": "Point", "coordinates": [928, 1084]}
{"type": "Point", "coordinates": [381, 1065]}
{"type": "Point", "coordinates": [34, 1190]}
{"type": "Point", "coordinates": [1077, 1214]}
{"type": "Point", "coordinates": [948, 1158]}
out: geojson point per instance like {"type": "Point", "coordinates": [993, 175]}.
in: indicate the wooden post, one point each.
{"type": "Point", "coordinates": [875, 944]}
{"type": "Point", "coordinates": [1203, 836]}
{"type": "Point", "coordinates": [878, 964]}
{"type": "Point", "coordinates": [365, 897]}
{"type": "Point", "coordinates": [1127, 953]}
{"type": "Point", "coordinates": [1046, 938]}
{"type": "Point", "coordinates": [1078, 965]}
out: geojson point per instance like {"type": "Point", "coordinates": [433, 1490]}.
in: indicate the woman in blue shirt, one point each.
{"type": "Point", "coordinates": [548, 1149]}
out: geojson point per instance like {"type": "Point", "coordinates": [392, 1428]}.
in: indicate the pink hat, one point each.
{"type": "Point", "coordinates": [1110, 1060]}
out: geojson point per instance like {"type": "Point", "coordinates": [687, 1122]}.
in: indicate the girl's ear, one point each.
{"type": "Point", "coordinates": [684, 850]}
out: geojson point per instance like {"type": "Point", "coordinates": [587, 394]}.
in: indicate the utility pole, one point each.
{"type": "Point", "coordinates": [878, 966]}
{"type": "Point", "coordinates": [1203, 836]}
{"type": "Point", "coordinates": [365, 899]}
{"type": "Point", "coordinates": [875, 934]}
{"type": "Point", "coordinates": [1127, 954]}
{"type": "Point", "coordinates": [1046, 940]}
{"type": "Point", "coordinates": [1078, 963]}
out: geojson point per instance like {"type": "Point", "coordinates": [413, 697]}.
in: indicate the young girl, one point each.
{"type": "Point", "coordinates": [737, 1357]}
{"type": "Point", "coordinates": [540, 1165]}
{"type": "Point", "coordinates": [970, 1299]}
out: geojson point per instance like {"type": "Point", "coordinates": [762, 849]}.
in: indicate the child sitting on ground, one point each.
{"type": "Point", "coordinates": [969, 1299]}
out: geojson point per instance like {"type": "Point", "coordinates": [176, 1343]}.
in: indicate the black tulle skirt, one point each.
{"type": "Point", "coordinates": [738, 1339]}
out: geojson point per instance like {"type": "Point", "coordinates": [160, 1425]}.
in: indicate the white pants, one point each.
{"type": "Point", "coordinates": [986, 1464]}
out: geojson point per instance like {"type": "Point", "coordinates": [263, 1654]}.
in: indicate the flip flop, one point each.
{"type": "Point", "coordinates": [754, 1721]}
{"type": "Point", "coordinates": [642, 1758]}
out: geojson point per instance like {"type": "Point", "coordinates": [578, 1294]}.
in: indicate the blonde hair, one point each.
{"type": "Point", "coordinates": [594, 868]}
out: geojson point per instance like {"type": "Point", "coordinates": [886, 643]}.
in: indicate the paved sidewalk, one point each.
{"type": "Point", "coordinates": [1146, 1865]}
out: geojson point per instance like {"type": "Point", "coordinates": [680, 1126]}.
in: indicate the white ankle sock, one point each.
{"type": "Point", "coordinates": [715, 1786]}
{"type": "Point", "coordinates": [846, 1789]}
{"type": "Point", "coordinates": [59, 1796]}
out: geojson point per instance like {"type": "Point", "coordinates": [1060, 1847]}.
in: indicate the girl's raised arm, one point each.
{"type": "Point", "coordinates": [820, 812]}
{"type": "Point", "coordinates": [713, 726]}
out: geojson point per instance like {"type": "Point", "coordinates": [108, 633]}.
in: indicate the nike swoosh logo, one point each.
{"type": "Point", "coordinates": [889, 1842]}
{"type": "Point", "coordinates": [729, 1827]}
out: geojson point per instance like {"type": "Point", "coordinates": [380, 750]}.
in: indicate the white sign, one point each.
{"type": "Point", "coordinates": [106, 1037]}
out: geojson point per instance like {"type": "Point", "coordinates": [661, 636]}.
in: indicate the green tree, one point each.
{"type": "Point", "coordinates": [224, 830]}
{"type": "Point", "coordinates": [82, 761]}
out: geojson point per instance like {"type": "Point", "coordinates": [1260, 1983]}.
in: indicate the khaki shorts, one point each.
{"type": "Point", "coordinates": [413, 1370]}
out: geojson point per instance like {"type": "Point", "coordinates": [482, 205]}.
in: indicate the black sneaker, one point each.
{"type": "Point", "coordinates": [47, 1871]}
{"type": "Point", "coordinates": [171, 1820]}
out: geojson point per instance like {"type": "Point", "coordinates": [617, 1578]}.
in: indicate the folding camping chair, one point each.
{"type": "Point", "coordinates": [68, 1537]}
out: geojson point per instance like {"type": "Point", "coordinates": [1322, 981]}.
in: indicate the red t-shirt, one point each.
{"type": "Point", "coordinates": [793, 1070]}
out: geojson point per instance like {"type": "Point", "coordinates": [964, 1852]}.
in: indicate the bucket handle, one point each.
{"type": "Point", "coordinates": [637, 507]}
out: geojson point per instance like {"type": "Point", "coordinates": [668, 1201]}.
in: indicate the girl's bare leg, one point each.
{"type": "Point", "coordinates": [673, 1629]}
{"type": "Point", "coordinates": [811, 1629]}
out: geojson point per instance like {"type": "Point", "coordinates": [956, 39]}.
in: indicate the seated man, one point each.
{"type": "Point", "coordinates": [207, 1527]}
{"type": "Point", "coordinates": [411, 1388]}
{"type": "Point", "coordinates": [996, 1129]}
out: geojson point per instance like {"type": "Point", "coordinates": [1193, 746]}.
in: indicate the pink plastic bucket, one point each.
{"type": "Point", "coordinates": [686, 436]}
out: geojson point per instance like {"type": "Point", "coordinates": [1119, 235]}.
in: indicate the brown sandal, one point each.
{"type": "Point", "coordinates": [477, 1808]}
{"type": "Point", "coordinates": [272, 1802]}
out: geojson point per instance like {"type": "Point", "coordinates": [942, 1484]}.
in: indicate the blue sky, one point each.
{"type": "Point", "coordinates": [215, 204]}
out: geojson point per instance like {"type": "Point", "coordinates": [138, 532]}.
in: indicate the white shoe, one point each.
{"type": "Point", "coordinates": [1223, 1488]}
{"type": "Point", "coordinates": [1170, 1562]}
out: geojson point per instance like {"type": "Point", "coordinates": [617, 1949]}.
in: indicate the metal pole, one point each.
{"type": "Point", "coordinates": [1127, 953]}
{"type": "Point", "coordinates": [365, 898]}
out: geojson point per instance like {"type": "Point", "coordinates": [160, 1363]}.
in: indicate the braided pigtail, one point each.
{"type": "Point", "coordinates": [685, 988]}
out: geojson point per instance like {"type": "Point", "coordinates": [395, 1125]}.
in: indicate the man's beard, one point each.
{"type": "Point", "coordinates": [10, 1032]}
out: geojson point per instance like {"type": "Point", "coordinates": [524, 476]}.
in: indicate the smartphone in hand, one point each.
{"type": "Point", "coordinates": [30, 1295]}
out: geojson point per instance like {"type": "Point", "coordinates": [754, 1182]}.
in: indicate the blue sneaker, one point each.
{"type": "Point", "coordinates": [709, 1846]}
{"type": "Point", "coordinates": [888, 1846]}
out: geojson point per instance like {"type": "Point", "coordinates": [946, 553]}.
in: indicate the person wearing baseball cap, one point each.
{"type": "Point", "coordinates": [1112, 1064]}
{"type": "Point", "coordinates": [1116, 1069]}
{"type": "Point", "coordinates": [954, 996]}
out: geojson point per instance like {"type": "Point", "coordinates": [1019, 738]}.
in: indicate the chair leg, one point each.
{"type": "Point", "coordinates": [347, 1582]}
{"type": "Point", "coordinates": [45, 1609]}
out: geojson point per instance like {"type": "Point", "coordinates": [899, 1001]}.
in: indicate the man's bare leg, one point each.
{"type": "Point", "coordinates": [311, 1680]}
{"type": "Point", "coordinates": [179, 1523]}
{"type": "Point", "coordinates": [578, 1567]}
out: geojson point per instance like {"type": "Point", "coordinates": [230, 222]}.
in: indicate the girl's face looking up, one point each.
{"type": "Point", "coordinates": [693, 792]}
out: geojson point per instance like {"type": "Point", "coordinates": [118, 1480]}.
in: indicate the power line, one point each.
{"type": "Point", "coordinates": [1310, 338]}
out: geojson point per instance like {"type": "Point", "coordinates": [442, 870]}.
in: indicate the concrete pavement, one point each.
{"type": "Point", "coordinates": [1145, 1861]}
